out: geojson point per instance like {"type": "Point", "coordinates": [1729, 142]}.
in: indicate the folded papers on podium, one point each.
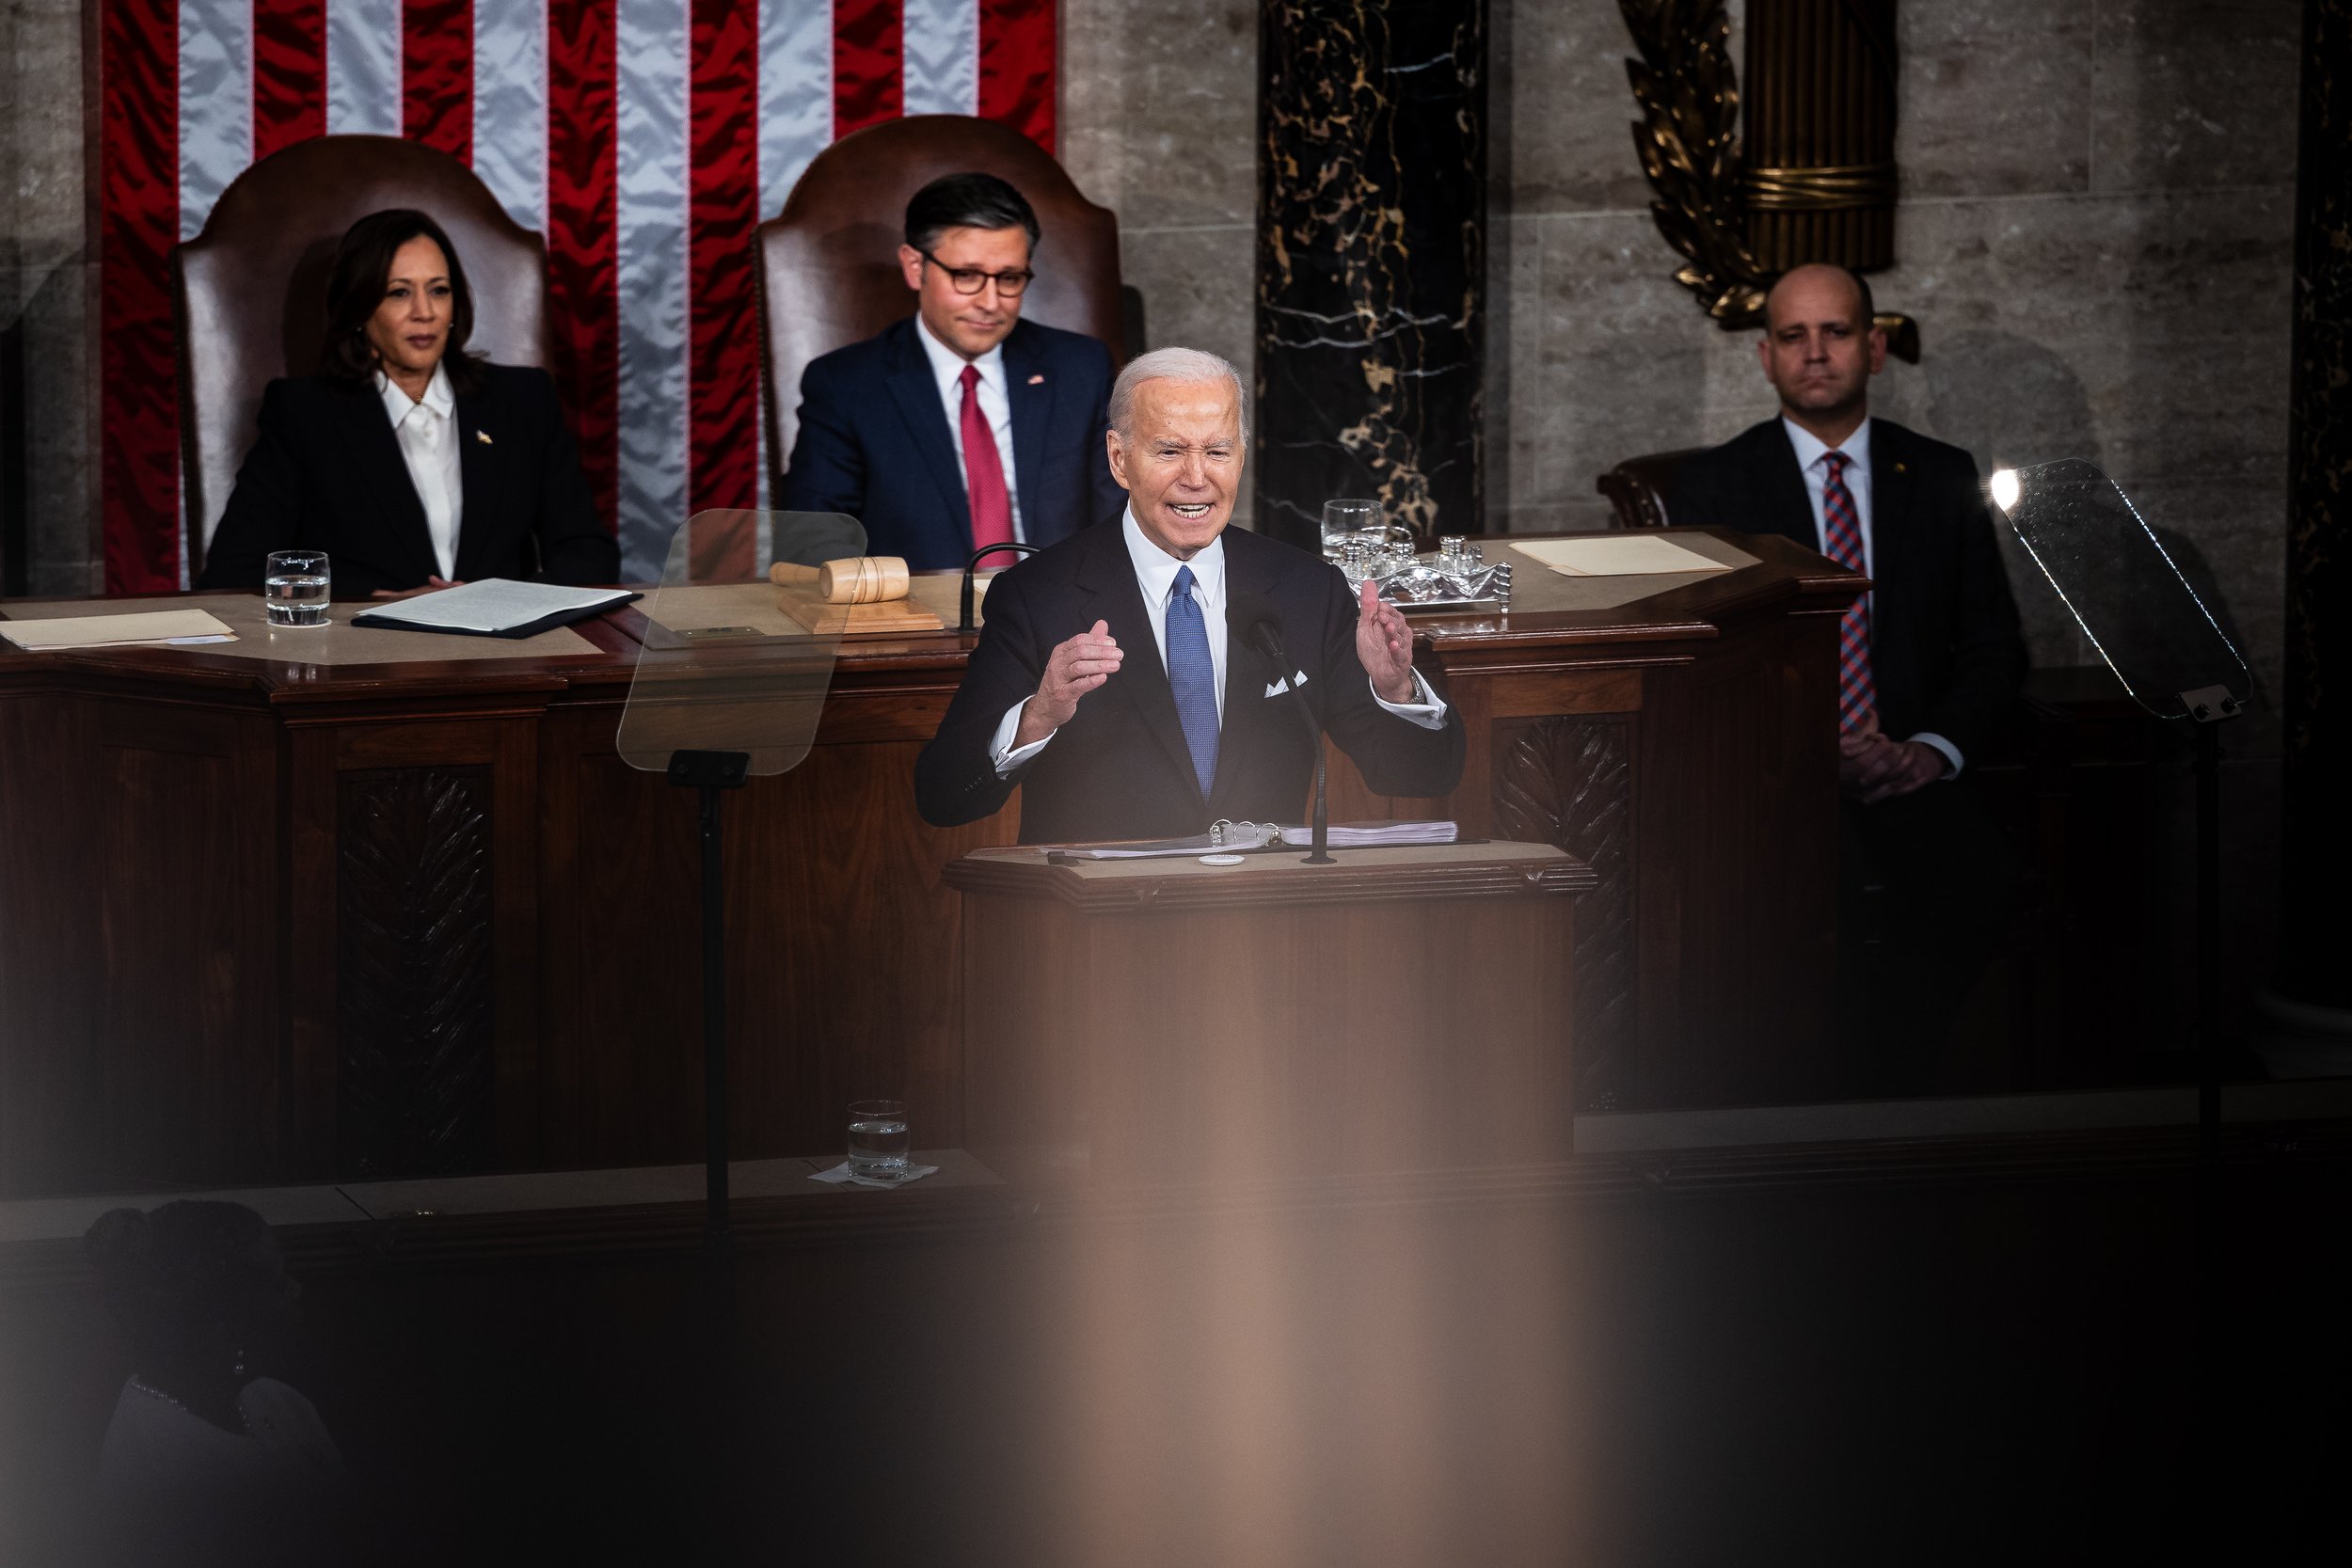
{"type": "Point", "coordinates": [1263, 837]}
{"type": "Point", "coordinates": [493, 606]}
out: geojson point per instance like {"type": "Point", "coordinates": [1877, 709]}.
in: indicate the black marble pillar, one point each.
{"type": "Point", "coordinates": [2316, 927]}
{"type": "Point", "coordinates": [1371, 261]}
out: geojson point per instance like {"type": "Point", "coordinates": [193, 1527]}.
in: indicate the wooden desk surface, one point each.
{"type": "Point", "coordinates": [1361, 876]}
{"type": "Point", "coordinates": [1772, 575]}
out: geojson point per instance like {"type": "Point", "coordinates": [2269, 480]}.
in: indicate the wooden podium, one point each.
{"type": "Point", "coordinates": [1167, 1020]}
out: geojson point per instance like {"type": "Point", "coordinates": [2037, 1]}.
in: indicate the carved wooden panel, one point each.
{"type": "Point", "coordinates": [1570, 781]}
{"type": "Point", "coordinates": [414, 1006]}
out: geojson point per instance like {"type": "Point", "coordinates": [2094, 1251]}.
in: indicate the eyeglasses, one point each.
{"type": "Point", "coordinates": [969, 280]}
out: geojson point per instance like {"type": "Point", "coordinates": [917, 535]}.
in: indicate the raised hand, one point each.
{"type": "Point", "coordinates": [1384, 645]}
{"type": "Point", "coordinates": [1076, 668]}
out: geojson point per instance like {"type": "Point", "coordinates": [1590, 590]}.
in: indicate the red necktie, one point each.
{"type": "Point", "coordinates": [1841, 533]}
{"type": "Point", "coordinates": [984, 473]}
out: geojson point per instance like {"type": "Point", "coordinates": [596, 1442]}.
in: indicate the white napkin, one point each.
{"type": "Point", "coordinates": [840, 1174]}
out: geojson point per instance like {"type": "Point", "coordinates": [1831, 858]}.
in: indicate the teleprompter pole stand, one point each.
{"type": "Point", "coordinates": [710, 772]}
{"type": "Point", "coordinates": [1322, 853]}
{"type": "Point", "coordinates": [2208, 708]}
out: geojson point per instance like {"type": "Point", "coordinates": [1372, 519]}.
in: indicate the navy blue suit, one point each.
{"type": "Point", "coordinates": [1119, 769]}
{"type": "Point", "coordinates": [875, 443]}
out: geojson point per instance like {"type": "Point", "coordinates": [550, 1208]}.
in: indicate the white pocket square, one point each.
{"type": "Point", "coordinates": [1277, 689]}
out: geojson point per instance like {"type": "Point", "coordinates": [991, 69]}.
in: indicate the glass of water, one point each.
{"type": "Point", "coordinates": [1342, 519]}
{"type": "Point", "coordinates": [878, 1139]}
{"type": "Point", "coordinates": [294, 588]}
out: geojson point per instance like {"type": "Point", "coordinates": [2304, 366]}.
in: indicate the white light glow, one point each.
{"type": "Point", "coordinates": [2005, 489]}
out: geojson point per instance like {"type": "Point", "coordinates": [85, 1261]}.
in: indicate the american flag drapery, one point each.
{"type": "Point", "coordinates": [645, 138]}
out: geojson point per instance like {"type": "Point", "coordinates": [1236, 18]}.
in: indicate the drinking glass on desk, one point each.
{"type": "Point", "coordinates": [878, 1139]}
{"type": "Point", "coordinates": [294, 588]}
{"type": "Point", "coordinates": [1343, 519]}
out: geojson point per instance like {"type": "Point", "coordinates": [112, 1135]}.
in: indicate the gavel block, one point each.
{"type": "Point", "coordinates": [859, 594]}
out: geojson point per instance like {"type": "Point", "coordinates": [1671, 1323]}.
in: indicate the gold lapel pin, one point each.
{"type": "Point", "coordinates": [483, 436]}
{"type": "Point", "coordinates": [1038, 380]}
{"type": "Point", "coordinates": [1901, 469]}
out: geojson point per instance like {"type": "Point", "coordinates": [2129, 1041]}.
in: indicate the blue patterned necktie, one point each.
{"type": "Point", "coordinates": [1192, 676]}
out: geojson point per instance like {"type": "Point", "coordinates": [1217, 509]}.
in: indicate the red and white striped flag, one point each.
{"type": "Point", "coordinates": [645, 138]}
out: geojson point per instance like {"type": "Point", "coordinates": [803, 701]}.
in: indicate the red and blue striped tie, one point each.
{"type": "Point", "coordinates": [1842, 530]}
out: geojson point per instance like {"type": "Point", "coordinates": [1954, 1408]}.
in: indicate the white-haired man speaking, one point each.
{"type": "Point", "coordinates": [1123, 677]}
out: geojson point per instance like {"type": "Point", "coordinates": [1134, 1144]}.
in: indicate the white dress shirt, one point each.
{"type": "Point", "coordinates": [427, 432]}
{"type": "Point", "coordinates": [1155, 575]}
{"type": "Point", "coordinates": [1812, 460]}
{"type": "Point", "coordinates": [995, 408]}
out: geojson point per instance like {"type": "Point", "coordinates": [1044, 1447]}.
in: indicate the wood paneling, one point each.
{"type": "Point", "coordinates": [182, 869]}
{"type": "Point", "coordinates": [1274, 1021]}
{"type": "Point", "coordinates": [416, 1009]}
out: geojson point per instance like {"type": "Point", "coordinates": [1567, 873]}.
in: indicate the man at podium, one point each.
{"type": "Point", "coordinates": [1127, 678]}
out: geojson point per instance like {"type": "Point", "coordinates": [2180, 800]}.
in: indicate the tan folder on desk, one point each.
{"type": "Point", "coordinates": [144, 629]}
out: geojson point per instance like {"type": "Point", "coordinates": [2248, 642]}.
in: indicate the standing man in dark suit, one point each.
{"type": "Point", "coordinates": [963, 425]}
{"type": "Point", "coordinates": [1931, 659]}
{"type": "Point", "coordinates": [1117, 677]}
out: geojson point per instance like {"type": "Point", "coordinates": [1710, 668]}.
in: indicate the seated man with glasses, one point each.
{"type": "Point", "coordinates": [964, 425]}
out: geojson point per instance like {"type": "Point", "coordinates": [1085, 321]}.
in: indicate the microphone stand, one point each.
{"type": "Point", "coordinates": [1269, 643]}
{"type": "Point", "coordinates": [1322, 855]}
{"type": "Point", "coordinates": [972, 565]}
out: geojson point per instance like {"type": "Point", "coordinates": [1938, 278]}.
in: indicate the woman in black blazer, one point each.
{"type": "Point", "coordinates": [411, 462]}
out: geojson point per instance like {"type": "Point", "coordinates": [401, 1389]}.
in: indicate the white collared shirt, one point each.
{"type": "Point", "coordinates": [1812, 462]}
{"type": "Point", "coordinates": [995, 408]}
{"type": "Point", "coordinates": [427, 432]}
{"type": "Point", "coordinates": [1155, 576]}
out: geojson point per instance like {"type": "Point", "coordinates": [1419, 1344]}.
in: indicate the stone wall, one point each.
{"type": "Point", "coordinates": [2095, 237]}
{"type": "Point", "coordinates": [1159, 122]}
{"type": "Point", "coordinates": [48, 297]}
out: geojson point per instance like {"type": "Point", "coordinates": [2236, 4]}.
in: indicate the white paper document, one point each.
{"type": "Point", "coordinates": [1617, 555]}
{"type": "Point", "coordinates": [155, 628]}
{"type": "Point", "coordinates": [493, 606]}
{"type": "Point", "coordinates": [840, 1177]}
{"type": "Point", "coordinates": [1240, 836]}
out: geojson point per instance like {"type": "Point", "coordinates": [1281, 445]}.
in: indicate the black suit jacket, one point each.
{"type": "Point", "coordinates": [1945, 652]}
{"type": "Point", "coordinates": [1119, 769]}
{"type": "Point", "coordinates": [875, 444]}
{"type": "Point", "coordinates": [327, 474]}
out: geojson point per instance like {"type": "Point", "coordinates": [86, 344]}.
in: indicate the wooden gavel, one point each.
{"type": "Point", "coordinates": [852, 579]}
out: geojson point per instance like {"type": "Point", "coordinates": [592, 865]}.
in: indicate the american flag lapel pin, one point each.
{"type": "Point", "coordinates": [1038, 380]}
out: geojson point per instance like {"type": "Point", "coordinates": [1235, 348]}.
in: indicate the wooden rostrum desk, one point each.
{"type": "Point", "coordinates": [1156, 1021]}
{"type": "Point", "coordinates": [269, 916]}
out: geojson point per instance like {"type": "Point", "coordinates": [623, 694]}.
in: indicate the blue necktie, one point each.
{"type": "Point", "coordinates": [1192, 677]}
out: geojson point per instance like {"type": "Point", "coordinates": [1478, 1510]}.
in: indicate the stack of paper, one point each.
{"type": "Point", "coordinates": [1244, 837]}
{"type": "Point", "coordinates": [1374, 836]}
{"type": "Point", "coordinates": [494, 607]}
{"type": "Point", "coordinates": [1617, 555]}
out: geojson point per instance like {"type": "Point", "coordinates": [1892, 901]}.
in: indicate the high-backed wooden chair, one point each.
{"type": "Point", "coordinates": [828, 265]}
{"type": "Point", "coordinates": [1637, 487]}
{"type": "Point", "coordinates": [250, 291]}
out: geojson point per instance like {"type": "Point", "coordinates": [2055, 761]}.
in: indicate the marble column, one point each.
{"type": "Point", "coordinates": [1372, 265]}
{"type": "Point", "coordinates": [2315, 926]}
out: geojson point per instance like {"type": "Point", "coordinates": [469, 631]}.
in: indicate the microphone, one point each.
{"type": "Point", "coordinates": [1255, 621]}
